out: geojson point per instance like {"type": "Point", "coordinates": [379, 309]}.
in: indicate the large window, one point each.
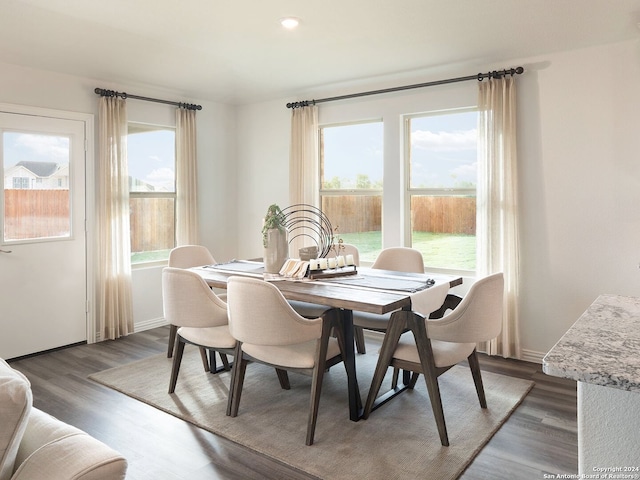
{"type": "Point", "coordinates": [351, 166]}
{"type": "Point", "coordinates": [152, 190]}
{"type": "Point", "coordinates": [441, 150]}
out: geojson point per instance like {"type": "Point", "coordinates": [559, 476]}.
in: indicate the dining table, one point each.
{"type": "Point", "coordinates": [365, 290]}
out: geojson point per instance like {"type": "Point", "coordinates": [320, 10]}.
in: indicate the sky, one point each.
{"type": "Point", "coordinates": [151, 158]}
{"type": "Point", "coordinates": [443, 151]}
{"type": "Point", "coordinates": [151, 154]}
{"type": "Point", "coordinates": [19, 147]}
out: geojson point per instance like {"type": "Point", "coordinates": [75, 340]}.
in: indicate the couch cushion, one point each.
{"type": "Point", "coordinates": [53, 449]}
{"type": "Point", "coordinates": [15, 407]}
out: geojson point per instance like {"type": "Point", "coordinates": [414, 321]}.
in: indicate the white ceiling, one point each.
{"type": "Point", "coordinates": [235, 51]}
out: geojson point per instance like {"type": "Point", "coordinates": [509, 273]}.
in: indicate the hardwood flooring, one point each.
{"type": "Point", "coordinates": [539, 437]}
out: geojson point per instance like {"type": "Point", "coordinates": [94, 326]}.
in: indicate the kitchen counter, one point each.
{"type": "Point", "coordinates": [602, 347]}
{"type": "Point", "coordinates": [601, 351]}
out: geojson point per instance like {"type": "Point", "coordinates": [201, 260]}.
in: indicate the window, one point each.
{"type": "Point", "coordinates": [20, 182]}
{"type": "Point", "coordinates": [351, 172]}
{"type": "Point", "coordinates": [441, 150]}
{"type": "Point", "coordinates": [33, 212]}
{"type": "Point", "coordinates": [152, 191]}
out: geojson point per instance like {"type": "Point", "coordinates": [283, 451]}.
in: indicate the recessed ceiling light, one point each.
{"type": "Point", "coordinates": [289, 22]}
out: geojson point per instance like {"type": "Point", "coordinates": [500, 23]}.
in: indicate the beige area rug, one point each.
{"type": "Point", "coordinates": [398, 441]}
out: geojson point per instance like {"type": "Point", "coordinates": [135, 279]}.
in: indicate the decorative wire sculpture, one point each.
{"type": "Point", "coordinates": [304, 220]}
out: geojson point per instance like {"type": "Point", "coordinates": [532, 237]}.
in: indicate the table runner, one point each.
{"type": "Point", "coordinates": [383, 283]}
{"type": "Point", "coordinates": [239, 266]}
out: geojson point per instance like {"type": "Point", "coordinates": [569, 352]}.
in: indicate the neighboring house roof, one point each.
{"type": "Point", "coordinates": [41, 169]}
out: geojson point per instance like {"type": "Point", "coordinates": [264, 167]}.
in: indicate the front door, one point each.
{"type": "Point", "coordinates": [43, 284]}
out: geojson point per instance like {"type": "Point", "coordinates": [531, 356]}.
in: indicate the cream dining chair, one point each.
{"type": "Point", "coordinates": [398, 259]}
{"type": "Point", "coordinates": [432, 347]}
{"type": "Point", "coordinates": [187, 256]}
{"type": "Point", "coordinates": [269, 331]}
{"type": "Point", "coordinates": [201, 318]}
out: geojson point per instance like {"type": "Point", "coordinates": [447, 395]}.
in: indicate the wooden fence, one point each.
{"type": "Point", "coordinates": [356, 213]}
{"type": "Point", "coordinates": [45, 213]}
{"type": "Point", "coordinates": [36, 214]}
{"type": "Point", "coordinates": [152, 226]}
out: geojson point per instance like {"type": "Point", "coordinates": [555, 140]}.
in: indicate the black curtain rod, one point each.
{"type": "Point", "coordinates": [479, 77]}
{"type": "Point", "coordinates": [112, 93]}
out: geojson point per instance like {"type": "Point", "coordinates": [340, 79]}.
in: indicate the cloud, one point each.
{"type": "Point", "coordinates": [445, 141]}
{"type": "Point", "coordinates": [466, 171]}
{"type": "Point", "coordinates": [50, 147]}
{"type": "Point", "coordinates": [161, 177]}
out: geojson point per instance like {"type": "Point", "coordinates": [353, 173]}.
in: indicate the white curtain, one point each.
{"type": "Point", "coordinates": [497, 221]}
{"type": "Point", "coordinates": [114, 296]}
{"type": "Point", "coordinates": [186, 178]}
{"type": "Point", "coordinates": [303, 165]}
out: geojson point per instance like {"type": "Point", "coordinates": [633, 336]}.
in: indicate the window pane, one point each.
{"type": "Point", "coordinates": [152, 228]}
{"type": "Point", "coordinates": [351, 156]}
{"type": "Point", "coordinates": [151, 158]}
{"type": "Point", "coordinates": [152, 167]}
{"type": "Point", "coordinates": [444, 150]}
{"type": "Point", "coordinates": [443, 157]}
{"type": "Point", "coordinates": [357, 219]}
{"type": "Point", "coordinates": [443, 228]}
{"type": "Point", "coordinates": [36, 186]}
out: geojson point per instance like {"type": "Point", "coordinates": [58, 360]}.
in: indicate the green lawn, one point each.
{"type": "Point", "coordinates": [442, 250]}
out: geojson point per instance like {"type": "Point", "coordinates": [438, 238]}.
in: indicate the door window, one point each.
{"type": "Point", "coordinates": [36, 186]}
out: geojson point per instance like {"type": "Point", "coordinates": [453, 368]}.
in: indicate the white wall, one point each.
{"type": "Point", "coordinates": [578, 134]}
{"type": "Point", "coordinates": [216, 158]}
{"type": "Point", "coordinates": [579, 125]}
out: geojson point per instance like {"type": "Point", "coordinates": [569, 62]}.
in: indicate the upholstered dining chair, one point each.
{"type": "Point", "coordinates": [187, 256]}
{"type": "Point", "coordinates": [432, 347]}
{"type": "Point", "coordinates": [398, 259]}
{"type": "Point", "coordinates": [269, 331]}
{"type": "Point", "coordinates": [201, 318]}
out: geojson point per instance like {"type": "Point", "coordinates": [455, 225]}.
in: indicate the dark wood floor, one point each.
{"type": "Point", "coordinates": [540, 436]}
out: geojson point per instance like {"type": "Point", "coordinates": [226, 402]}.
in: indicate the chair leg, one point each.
{"type": "Point", "coordinates": [391, 338]}
{"type": "Point", "coordinates": [175, 369]}
{"type": "Point", "coordinates": [173, 329]}
{"type": "Point", "coordinates": [436, 405]}
{"type": "Point", "coordinates": [283, 378]}
{"type": "Point", "coordinates": [213, 364]}
{"type": "Point", "coordinates": [477, 377]}
{"type": "Point", "coordinates": [425, 352]}
{"type": "Point", "coordinates": [205, 359]}
{"type": "Point", "coordinates": [237, 380]}
{"type": "Point", "coordinates": [358, 334]}
{"type": "Point", "coordinates": [394, 377]}
{"type": "Point", "coordinates": [225, 362]}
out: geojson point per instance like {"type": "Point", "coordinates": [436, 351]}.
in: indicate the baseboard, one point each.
{"type": "Point", "coordinates": [532, 356]}
{"type": "Point", "coordinates": [526, 355]}
{"type": "Point", "coordinates": [149, 324]}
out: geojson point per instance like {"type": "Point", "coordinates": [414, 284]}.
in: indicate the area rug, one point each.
{"type": "Point", "coordinates": [398, 441]}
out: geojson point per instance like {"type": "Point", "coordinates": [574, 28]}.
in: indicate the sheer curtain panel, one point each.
{"type": "Point", "coordinates": [497, 222]}
{"type": "Point", "coordinates": [186, 178]}
{"type": "Point", "coordinates": [114, 295]}
{"type": "Point", "coordinates": [303, 164]}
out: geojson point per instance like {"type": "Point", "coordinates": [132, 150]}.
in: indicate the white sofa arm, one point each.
{"type": "Point", "coordinates": [54, 450]}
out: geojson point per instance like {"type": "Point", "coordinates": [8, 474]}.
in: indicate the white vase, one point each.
{"type": "Point", "coordinates": [276, 251]}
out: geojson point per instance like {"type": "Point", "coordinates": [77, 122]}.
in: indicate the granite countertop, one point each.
{"type": "Point", "coordinates": [602, 347]}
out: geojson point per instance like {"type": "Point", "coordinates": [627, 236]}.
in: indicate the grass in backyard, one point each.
{"type": "Point", "coordinates": [442, 250]}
